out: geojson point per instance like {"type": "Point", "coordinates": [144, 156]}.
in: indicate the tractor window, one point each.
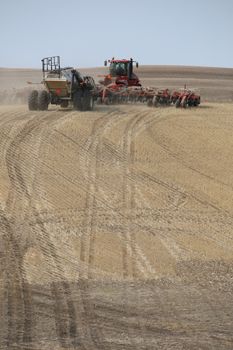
{"type": "Point", "coordinates": [67, 74]}
{"type": "Point", "coordinates": [118, 68]}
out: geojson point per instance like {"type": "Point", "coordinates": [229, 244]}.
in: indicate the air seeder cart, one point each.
{"type": "Point", "coordinates": [63, 86]}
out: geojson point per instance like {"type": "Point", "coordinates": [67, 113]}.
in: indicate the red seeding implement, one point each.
{"type": "Point", "coordinates": [186, 98]}
{"type": "Point", "coordinates": [160, 98]}
{"type": "Point", "coordinates": [122, 85]}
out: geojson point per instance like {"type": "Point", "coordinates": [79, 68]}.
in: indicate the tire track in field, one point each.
{"type": "Point", "coordinates": [128, 237]}
{"type": "Point", "coordinates": [91, 151]}
{"type": "Point", "coordinates": [16, 289]}
{"type": "Point", "coordinates": [20, 188]}
{"type": "Point", "coordinates": [90, 330]}
{"type": "Point", "coordinates": [16, 286]}
{"type": "Point", "coordinates": [131, 256]}
{"type": "Point", "coordinates": [131, 178]}
{"type": "Point", "coordinates": [173, 249]}
{"type": "Point", "coordinates": [21, 296]}
{"type": "Point", "coordinates": [131, 185]}
{"type": "Point", "coordinates": [90, 164]}
{"type": "Point", "coordinates": [65, 312]}
{"type": "Point", "coordinates": [9, 124]}
{"type": "Point", "coordinates": [92, 168]}
{"type": "Point", "coordinates": [90, 156]}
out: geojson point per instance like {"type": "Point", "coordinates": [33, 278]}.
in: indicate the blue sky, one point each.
{"type": "Point", "coordinates": [84, 33]}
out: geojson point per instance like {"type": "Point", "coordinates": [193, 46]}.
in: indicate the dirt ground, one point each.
{"type": "Point", "coordinates": [116, 228]}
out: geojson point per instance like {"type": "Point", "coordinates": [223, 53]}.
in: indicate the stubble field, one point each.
{"type": "Point", "coordinates": [116, 224]}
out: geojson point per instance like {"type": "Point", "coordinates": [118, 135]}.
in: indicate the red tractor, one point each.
{"type": "Point", "coordinates": [122, 72]}
{"type": "Point", "coordinates": [121, 76]}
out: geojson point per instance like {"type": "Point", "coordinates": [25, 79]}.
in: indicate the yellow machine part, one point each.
{"type": "Point", "coordinates": [57, 86]}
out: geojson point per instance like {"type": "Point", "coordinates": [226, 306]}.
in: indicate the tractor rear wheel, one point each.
{"type": "Point", "coordinates": [88, 101]}
{"type": "Point", "coordinates": [78, 100]}
{"type": "Point", "coordinates": [43, 100]}
{"type": "Point", "coordinates": [33, 101]}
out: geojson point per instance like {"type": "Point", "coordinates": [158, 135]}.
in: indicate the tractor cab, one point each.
{"type": "Point", "coordinates": [119, 68]}
{"type": "Point", "coordinates": [122, 71]}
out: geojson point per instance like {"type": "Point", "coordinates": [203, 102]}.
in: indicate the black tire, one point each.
{"type": "Point", "coordinates": [33, 101]}
{"type": "Point", "coordinates": [191, 103]}
{"type": "Point", "coordinates": [88, 101]}
{"type": "Point", "coordinates": [196, 102]}
{"type": "Point", "coordinates": [43, 100]}
{"type": "Point", "coordinates": [78, 100]}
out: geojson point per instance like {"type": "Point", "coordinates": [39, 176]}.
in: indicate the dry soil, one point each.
{"type": "Point", "coordinates": [116, 227]}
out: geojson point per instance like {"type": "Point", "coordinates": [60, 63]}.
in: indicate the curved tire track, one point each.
{"type": "Point", "coordinates": [20, 190]}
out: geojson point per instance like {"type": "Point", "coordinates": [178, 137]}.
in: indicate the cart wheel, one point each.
{"type": "Point", "coordinates": [33, 101]}
{"type": "Point", "coordinates": [43, 100]}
